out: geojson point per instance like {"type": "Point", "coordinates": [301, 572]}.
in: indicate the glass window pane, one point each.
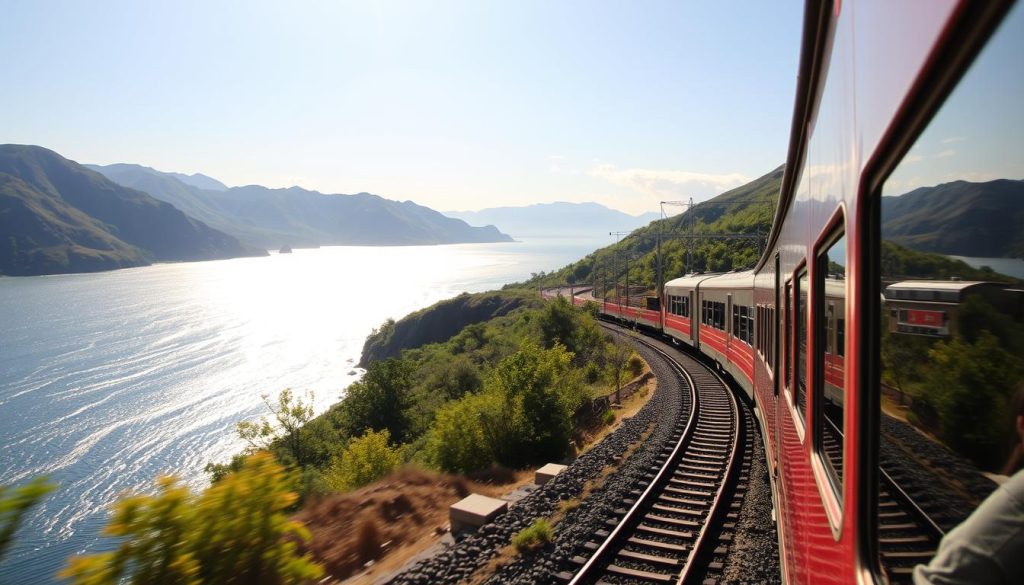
{"type": "Point", "coordinates": [952, 328]}
{"type": "Point", "coordinates": [830, 393]}
{"type": "Point", "coordinates": [800, 319]}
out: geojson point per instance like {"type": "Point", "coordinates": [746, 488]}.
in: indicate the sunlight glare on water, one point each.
{"type": "Point", "coordinates": [108, 380]}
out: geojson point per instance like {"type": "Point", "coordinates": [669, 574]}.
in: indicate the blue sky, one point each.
{"type": "Point", "coordinates": [455, 105]}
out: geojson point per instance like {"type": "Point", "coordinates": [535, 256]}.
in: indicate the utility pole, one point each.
{"type": "Point", "coordinates": [615, 272]}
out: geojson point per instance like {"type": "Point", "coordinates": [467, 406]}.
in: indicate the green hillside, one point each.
{"type": "Point", "coordinates": [960, 218]}
{"type": "Point", "coordinates": [745, 210]}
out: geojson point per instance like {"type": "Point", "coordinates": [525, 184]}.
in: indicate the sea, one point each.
{"type": "Point", "coordinates": [1009, 266]}
{"type": "Point", "coordinates": [109, 380]}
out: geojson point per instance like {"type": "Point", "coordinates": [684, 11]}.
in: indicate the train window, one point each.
{"type": "Point", "coordinates": [786, 335]}
{"type": "Point", "coordinates": [950, 396]}
{"type": "Point", "coordinates": [800, 347]}
{"type": "Point", "coordinates": [829, 379]}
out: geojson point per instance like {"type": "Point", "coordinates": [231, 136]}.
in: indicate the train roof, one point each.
{"type": "Point", "coordinates": [952, 285]}
{"type": "Point", "coordinates": [690, 280]}
{"type": "Point", "coordinates": [744, 279]}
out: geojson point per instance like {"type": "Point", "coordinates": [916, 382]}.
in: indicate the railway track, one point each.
{"type": "Point", "coordinates": [907, 535]}
{"type": "Point", "coordinates": [665, 534]}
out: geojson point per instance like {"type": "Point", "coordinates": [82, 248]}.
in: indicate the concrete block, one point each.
{"type": "Point", "coordinates": [547, 473]}
{"type": "Point", "coordinates": [474, 511]}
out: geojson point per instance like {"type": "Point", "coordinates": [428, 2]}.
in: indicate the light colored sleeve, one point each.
{"type": "Point", "coordinates": [987, 547]}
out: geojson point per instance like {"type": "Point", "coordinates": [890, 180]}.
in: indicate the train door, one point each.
{"type": "Point", "coordinates": [730, 327]}
{"type": "Point", "coordinates": [694, 322]}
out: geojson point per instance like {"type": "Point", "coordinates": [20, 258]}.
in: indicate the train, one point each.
{"type": "Point", "coordinates": [801, 332]}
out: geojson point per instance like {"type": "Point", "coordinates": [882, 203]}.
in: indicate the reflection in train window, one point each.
{"type": "Point", "coordinates": [952, 319]}
{"type": "Point", "coordinates": [787, 336]}
{"type": "Point", "coordinates": [829, 386]}
{"type": "Point", "coordinates": [800, 319]}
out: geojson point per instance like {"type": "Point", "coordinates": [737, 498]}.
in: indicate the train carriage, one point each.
{"type": "Point", "coordinates": [805, 334]}
{"type": "Point", "coordinates": [726, 324]}
{"type": "Point", "coordinates": [681, 308]}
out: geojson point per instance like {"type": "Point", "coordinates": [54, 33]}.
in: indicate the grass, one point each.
{"type": "Point", "coordinates": [533, 537]}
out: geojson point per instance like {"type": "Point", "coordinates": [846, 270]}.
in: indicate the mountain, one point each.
{"type": "Point", "coordinates": [746, 210]}
{"type": "Point", "coordinates": [200, 181]}
{"type": "Point", "coordinates": [272, 218]}
{"type": "Point", "coordinates": [57, 216]}
{"type": "Point", "coordinates": [556, 219]}
{"type": "Point", "coordinates": [959, 218]}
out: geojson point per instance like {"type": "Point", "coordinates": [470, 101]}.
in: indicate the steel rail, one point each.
{"type": "Point", "coordinates": [607, 551]}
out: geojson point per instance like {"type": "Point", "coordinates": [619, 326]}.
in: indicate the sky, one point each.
{"type": "Point", "coordinates": [457, 105]}
{"type": "Point", "coordinates": [976, 135]}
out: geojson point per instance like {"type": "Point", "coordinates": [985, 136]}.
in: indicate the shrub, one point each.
{"type": "Point", "coordinates": [607, 417]}
{"type": "Point", "coordinates": [236, 531]}
{"type": "Point", "coordinates": [457, 441]}
{"type": "Point", "coordinates": [380, 401]}
{"type": "Point", "coordinates": [365, 460]}
{"type": "Point", "coordinates": [14, 504]}
{"type": "Point", "coordinates": [635, 365]}
{"type": "Point", "coordinates": [533, 536]}
{"type": "Point", "coordinates": [536, 387]}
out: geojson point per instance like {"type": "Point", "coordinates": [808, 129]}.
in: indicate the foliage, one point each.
{"type": "Point", "coordinates": [540, 392]}
{"type": "Point", "coordinates": [970, 387]}
{"type": "Point", "coordinates": [234, 532]}
{"type": "Point", "coordinates": [15, 503]}
{"type": "Point", "coordinates": [635, 365]}
{"type": "Point", "coordinates": [607, 417]}
{"type": "Point", "coordinates": [380, 401]}
{"type": "Point", "coordinates": [562, 323]}
{"type": "Point", "coordinates": [289, 414]}
{"type": "Point", "coordinates": [899, 262]}
{"type": "Point", "coordinates": [533, 536]}
{"type": "Point", "coordinates": [457, 442]}
{"type": "Point", "coordinates": [365, 460]}
{"type": "Point", "coordinates": [618, 360]}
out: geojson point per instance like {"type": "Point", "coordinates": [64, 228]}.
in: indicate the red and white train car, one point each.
{"type": "Point", "coordinates": [802, 333]}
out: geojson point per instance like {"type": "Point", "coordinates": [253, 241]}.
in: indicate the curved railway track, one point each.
{"type": "Point", "coordinates": [665, 534]}
{"type": "Point", "coordinates": [907, 535]}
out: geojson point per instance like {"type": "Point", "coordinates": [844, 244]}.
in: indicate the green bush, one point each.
{"type": "Point", "coordinates": [14, 504]}
{"type": "Point", "coordinates": [533, 537]}
{"type": "Point", "coordinates": [365, 460]}
{"type": "Point", "coordinates": [237, 531]}
{"type": "Point", "coordinates": [608, 417]}
{"type": "Point", "coordinates": [380, 401]}
{"type": "Point", "coordinates": [539, 392]}
{"type": "Point", "coordinates": [457, 441]}
{"type": "Point", "coordinates": [635, 365]}
{"type": "Point", "coordinates": [969, 389]}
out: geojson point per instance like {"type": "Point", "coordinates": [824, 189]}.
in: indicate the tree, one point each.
{"type": "Point", "coordinates": [539, 391]}
{"type": "Point", "coordinates": [618, 358]}
{"type": "Point", "coordinates": [14, 504]}
{"type": "Point", "coordinates": [236, 531]}
{"type": "Point", "coordinates": [969, 386]}
{"type": "Point", "coordinates": [365, 460]}
{"type": "Point", "coordinates": [380, 400]}
{"type": "Point", "coordinates": [289, 414]}
{"type": "Point", "coordinates": [457, 441]}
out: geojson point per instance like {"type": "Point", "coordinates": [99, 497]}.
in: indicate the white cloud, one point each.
{"type": "Point", "coordinates": [953, 139]}
{"type": "Point", "coordinates": [669, 184]}
{"type": "Point", "coordinates": [946, 153]}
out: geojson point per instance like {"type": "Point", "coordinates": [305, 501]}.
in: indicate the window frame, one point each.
{"type": "Point", "coordinates": [831, 485]}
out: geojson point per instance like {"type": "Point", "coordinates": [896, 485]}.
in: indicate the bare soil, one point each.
{"type": "Point", "coordinates": [382, 525]}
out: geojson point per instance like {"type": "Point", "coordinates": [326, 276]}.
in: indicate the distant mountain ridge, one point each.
{"type": "Point", "coordinates": [296, 217]}
{"type": "Point", "coordinates": [556, 219]}
{"type": "Point", "coordinates": [199, 181]}
{"type": "Point", "coordinates": [960, 218]}
{"type": "Point", "coordinates": [57, 216]}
